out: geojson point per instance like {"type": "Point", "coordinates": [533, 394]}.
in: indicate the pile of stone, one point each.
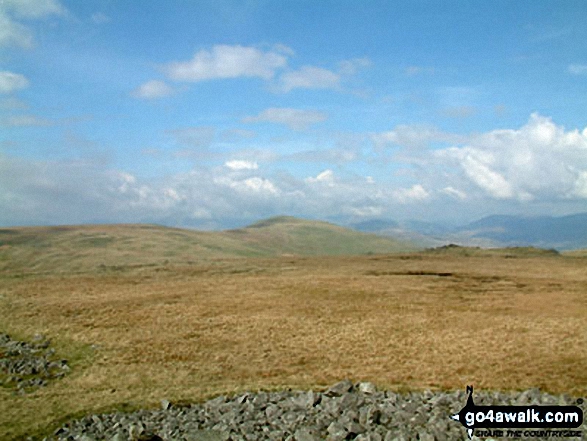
{"type": "Point", "coordinates": [345, 411]}
{"type": "Point", "coordinates": [25, 366]}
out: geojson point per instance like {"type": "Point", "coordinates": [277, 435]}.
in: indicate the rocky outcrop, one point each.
{"type": "Point", "coordinates": [345, 411]}
{"type": "Point", "coordinates": [25, 366]}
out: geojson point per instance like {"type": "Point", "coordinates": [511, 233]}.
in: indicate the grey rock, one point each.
{"type": "Point", "coordinates": [304, 434]}
{"type": "Point", "coordinates": [165, 404]}
{"type": "Point", "coordinates": [340, 413]}
{"type": "Point", "coordinates": [336, 432]}
{"type": "Point", "coordinates": [339, 389]}
{"type": "Point", "coordinates": [367, 388]}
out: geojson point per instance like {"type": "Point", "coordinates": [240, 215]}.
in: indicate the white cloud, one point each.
{"type": "Point", "coordinates": [260, 185]}
{"type": "Point", "coordinates": [309, 77]}
{"type": "Point", "coordinates": [578, 69]}
{"type": "Point", "coordinates": [224, 61]}
{"type": "Point", "coordinates": [413, 137]}
{"type": "Point", "coordinates": [352, 66]}
{"type": "Point", "coordinates": [539, 161]}
{"type": "Point", "coordinates": [239, 164]}
{"type": "Point", "coordinates": [312, 77]}
{"type": "Point", "coordinates": [580, 188]}
{"type": "Point", "coordinates": [295, 119]}
{"type": "Point", "coordinates": [10, 82]}
{"type": "Point", "coordinates": [326, 177]}
{"type": "Point", "coordinates": [453, 192]}
{"type": "Point", "coordinates": [478, 169]}
{"type": "Point", "coordinates": [152, 89]}
{"type": "Point", "coordinates": [14, 33]}
{"type": "Point", "coordinates": [539, 166]}
{"type": "Point", "coordinates": [369, 211]}
{"type": "Point", "coordinates": [414, 193]}
{"type": "Point", "coordinates": [32, 8]}
{"type": "Point", "coordinates": [254, 185]}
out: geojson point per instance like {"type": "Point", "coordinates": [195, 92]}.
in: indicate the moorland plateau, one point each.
{"type": "Point", "coordinates": [144, 313]}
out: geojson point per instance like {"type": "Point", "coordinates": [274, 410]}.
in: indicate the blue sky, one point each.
{"type": "Point", "coordinates": [213, 114]}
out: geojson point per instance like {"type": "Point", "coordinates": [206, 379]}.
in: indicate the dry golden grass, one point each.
{"type": "Point", "coordinates": [415, 321]}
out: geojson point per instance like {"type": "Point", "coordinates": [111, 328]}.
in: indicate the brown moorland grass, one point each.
{"type": "Point", "coordinates": [187, 332]}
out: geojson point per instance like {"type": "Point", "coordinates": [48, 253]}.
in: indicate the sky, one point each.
{"type": "Point", "coordinates": [215, 114]}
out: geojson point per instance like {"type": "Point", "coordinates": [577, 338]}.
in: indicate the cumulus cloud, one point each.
{"type": "Point", "coordinates": [295, 119]}
{"type": "Point", "coordinates": [12, 31]}
{"type": "Point", "coordinates": [239, 164]}
{"type": "Point", "coordinates": [253, 185]}
{"type": "Point", "coordinates": [10, 82]}
{"type": "Point", "coordinates": [540, 164]}
{"type": "Point", "coordinates": [541, 160]}
{"type": "Point", "coordinates": [152, 89]}
{"type": "Point", "coordinates": [224, 61]}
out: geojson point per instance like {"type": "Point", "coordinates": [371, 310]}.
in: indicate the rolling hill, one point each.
{"type": "Point", "coordinates": [113, 247]}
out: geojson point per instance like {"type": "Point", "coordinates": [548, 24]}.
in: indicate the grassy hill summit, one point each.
{"type": "Point", "coordinates": [113, 247]}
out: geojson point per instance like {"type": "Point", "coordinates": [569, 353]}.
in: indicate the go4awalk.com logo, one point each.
{"type": "Point", "coordinates": [510, 419]}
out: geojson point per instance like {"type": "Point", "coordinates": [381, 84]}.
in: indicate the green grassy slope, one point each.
{"type": "Point", "coordinates": [289, 235]}
{"type": "Point", "coordinates": [112, 247]}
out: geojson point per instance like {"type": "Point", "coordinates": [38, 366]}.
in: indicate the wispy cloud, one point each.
{"type": "Point", "coordinates": [25, 121]}
{"type": "Point", "coordinates": [459, 111]}
{"type": "Point", "coordinates": [295, 119]}
{"type": "Point", "coordinates": [12, 31]}
{"type": "Point", "coordinates": [153, 89]}
{"type": "Point", "coordinates": [312, 77]}
{"type": "Point", "coordinates": [352, 66]}
{"type": "Point", "coordinates": [309, 77]}
{"type": "Point", "coordinates": [11, 82]}
{"type": "Point", "coordinates": [578, 69]}
{"type": "Point", "coordinates": [100, 18]}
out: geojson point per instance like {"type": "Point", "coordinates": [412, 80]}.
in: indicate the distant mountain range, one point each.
{"type": "Point", "coordinates": [82, 248]}
{"type": "Point", "coordinates": [562, 233]}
